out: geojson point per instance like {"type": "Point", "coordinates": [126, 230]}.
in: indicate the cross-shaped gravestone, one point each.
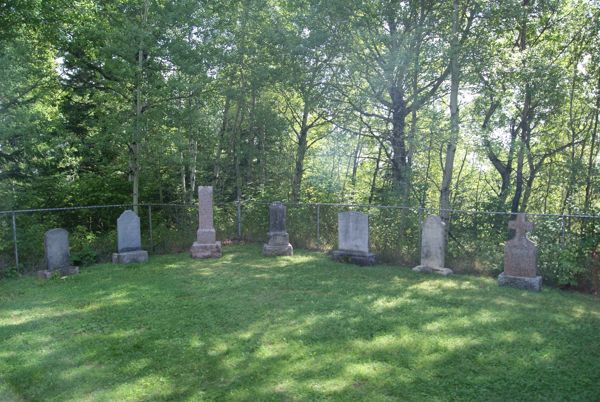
{"type": "Point", "coordinates": [520, 258]}
{"type": "Point", "coordinates": [521, 226]}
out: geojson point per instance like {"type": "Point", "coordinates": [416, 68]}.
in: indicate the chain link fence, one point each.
{"type": "Point", "coordinates": [567, 244]}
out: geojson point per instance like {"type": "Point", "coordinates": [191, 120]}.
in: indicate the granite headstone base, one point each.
{"type": "Point", "coordinates": [129, 257]}
{"type": "Point", "coordinates": [277, 250]}
{"type": "Point", "coordinates": [353, 257]}
{"type": "Point", "coordinates": [212, 250]}
{"type": "Point", "coordinates": [279, 244]}
{"type": "Point", "coordinates": [520, 282]}
{"type": "Point", "coordinates": [65, 271]}
{"type": "Point", "coordinates": [433, 270]}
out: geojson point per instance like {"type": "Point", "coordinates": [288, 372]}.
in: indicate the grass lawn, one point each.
{"type": "Point", "coordinates": [245, 327]}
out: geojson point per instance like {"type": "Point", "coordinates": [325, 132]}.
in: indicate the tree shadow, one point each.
{"type": "Point", "coordinates": [249, 328]}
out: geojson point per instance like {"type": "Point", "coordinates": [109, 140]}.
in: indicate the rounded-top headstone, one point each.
{"type": "Point", "coordinates": [128, 232]}
{"type": "Point", "coordinates": [56, 246]}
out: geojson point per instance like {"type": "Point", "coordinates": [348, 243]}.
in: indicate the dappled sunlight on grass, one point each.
{"type": "Point", "coordinates": [244, 327]}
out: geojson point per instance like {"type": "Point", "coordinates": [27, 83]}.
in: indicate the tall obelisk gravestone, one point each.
{"type": "Point", "coordinates": [205, 245]}
{"type": "Point", "coordinates": [279, 240]}
{"type": "Point", "coordinates": [520, 258]}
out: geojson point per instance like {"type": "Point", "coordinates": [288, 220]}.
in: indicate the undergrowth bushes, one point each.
{"type": "Point", "coordinates": [475, 241]}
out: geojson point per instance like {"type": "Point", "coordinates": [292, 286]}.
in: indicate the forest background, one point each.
{"type": "Point", "coordinates": [464, 104]}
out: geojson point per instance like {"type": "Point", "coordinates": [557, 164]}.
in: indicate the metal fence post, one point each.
{"type": "Point", "coordinates": [14, 229]}
{"type": "Point", "coordinates": [150, 227]}
{"type": "Point", "coordinates": [239, 219]}
{"type": "Point", "coordinates": [318, 225]}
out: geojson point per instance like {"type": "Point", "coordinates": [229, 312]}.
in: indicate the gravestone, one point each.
{"type": "Point", "coordinates": [433, 247]}
{"type": "Point", "coordinates": [58, 258]}
{"type": "Point", "coordinates": [205, 245]}
{"type": "Point", "coordinates": [129, 240]}
{"type": "Point", "coordinates": [279, 240]}
{"type": "Point", "coordinates": [353, 239]}
{"type": "Point", "coordinates": [520, 258]}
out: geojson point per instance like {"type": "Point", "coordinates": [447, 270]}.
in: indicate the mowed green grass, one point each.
{"type": "Point", "coordinates": [246, 327]}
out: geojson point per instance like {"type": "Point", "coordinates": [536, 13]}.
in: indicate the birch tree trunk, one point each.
{"type": "Point", "coordinates": [454, 120]}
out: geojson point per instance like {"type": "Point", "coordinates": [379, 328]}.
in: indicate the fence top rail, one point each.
{"type": "Point", "coordinates": [315, 204]}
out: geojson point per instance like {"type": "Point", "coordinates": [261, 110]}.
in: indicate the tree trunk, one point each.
{"type": "Point", "coordinates": [193, 149]}
{"type": "Point", "coordinates": [237, 146]}
{"type": "Point", "coordinates": [590, 168]}
{"type": "Point", "coordinates": [134, 147]}
{"type": "Point", "coordinates": [573, 132]}
{"type": "Point", "coordinates": [221, 141]}
{"type": "Point", "coordinates": [300, 155]}
{"type": "Point", "coordinates": [356, 158]}
{"type": "Point", "coordinates": [525, 124]}
{"type": "Point", "coordinates": [454, 120]}
{"type": "Point", "coordinates": [398, 142]}
{"type": "Point", "coordinates": [183, 180]}
{"type": "Point", "coordinates": [375, 174]}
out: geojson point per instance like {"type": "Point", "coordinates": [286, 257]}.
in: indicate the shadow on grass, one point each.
{"type": "Point", "coordinates": [245, 327]}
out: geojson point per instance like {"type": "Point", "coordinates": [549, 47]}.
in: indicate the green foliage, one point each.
{"type": "Point", "coordinates": [564, 260]}
{"type": "Point", "coordinates": [10, 272]}
{"type": "Point", "coordinates": [84, 257]}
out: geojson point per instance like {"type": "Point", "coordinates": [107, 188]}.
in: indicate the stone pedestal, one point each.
{"type": "Point", "coordinates": [64, 271]}
{"type": "Point", "coordinates": [520, 282]}
{"type": "Point", "coordinates": [433, 248]}
{"type": "Point", "coordinates": [278, 244]}
{"type": "Point", "coordinates": [212, 250]}
{"type": "Point", "coordinates": [205, 245]}
{"type": "Point", "coordinates": [354, 257]}
{"type": "Point", "coordinates": [129, 257]}
{"type": "Point", "coordinates": [433, 270]}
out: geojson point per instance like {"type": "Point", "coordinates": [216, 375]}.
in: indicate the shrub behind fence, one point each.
{"type": "Point", "coordinates": [566, 244]}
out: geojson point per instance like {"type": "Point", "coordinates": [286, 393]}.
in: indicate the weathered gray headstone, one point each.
{"type": "Point", "coordinates": [205, 245]}
{"type": "Point", "coordinates": [129, 240]}
{"type": "Point", "coordinates": [353, 239]}
{"type": "Point", "coordinates": [279, 240]}
{"type": "Point", "coordinates": [520, 258]}
{"type": "Point", "coordinates": [433, 247]}
{"type": "Point", "coordinates": [58, 257]}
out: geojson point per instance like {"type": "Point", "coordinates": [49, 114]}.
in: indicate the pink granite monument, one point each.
{"type": "Point", "coordinates": [520, 258]}
{"type": "Point", "coordinates": [205, 245]}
